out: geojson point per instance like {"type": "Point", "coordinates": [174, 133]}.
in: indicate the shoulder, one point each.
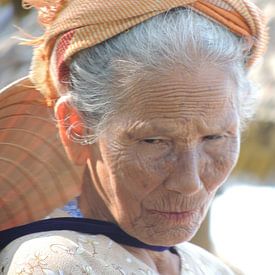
{"type": "Point", "coordinates": [65, 252]}
{"type": "Point", "coordinates": [55, 252]}
{"type": "Point", "coordinates": [44, 253]}
{"type": "Point", "coordinates": [197, 260]}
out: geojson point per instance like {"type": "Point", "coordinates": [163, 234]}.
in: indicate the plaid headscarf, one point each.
{"type": "Point", "coordinates": [73, 25]}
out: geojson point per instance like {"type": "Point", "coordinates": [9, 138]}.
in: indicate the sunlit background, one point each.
{"type": "Point", "coordinates": [240, 227]}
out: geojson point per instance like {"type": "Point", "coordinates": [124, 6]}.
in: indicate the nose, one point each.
{"type": "Point", "coordinates": [185, 177]}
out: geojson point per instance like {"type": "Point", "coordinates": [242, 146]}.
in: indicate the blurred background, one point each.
{"type": "Point", "coordinates": [240, 227]}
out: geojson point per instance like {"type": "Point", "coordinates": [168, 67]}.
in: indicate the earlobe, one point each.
{"type": "Point", "coordinates": [70, 124]}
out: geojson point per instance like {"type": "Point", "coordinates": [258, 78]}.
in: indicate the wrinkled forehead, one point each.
{"type": "Point", "coordinates": [207, 93]}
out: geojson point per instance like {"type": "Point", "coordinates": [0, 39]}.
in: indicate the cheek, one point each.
{"type": "Point", "coordinates": [217, 163]}
{"type": "Point", "coordinates": [141, 170]}
{"type": "Point", "coordinates": [134, 174]}
{"type": "Point", "coordinates": [155, 168]}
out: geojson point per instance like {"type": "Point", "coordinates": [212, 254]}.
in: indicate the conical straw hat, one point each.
{"type": "Point", "coordinates": [35, 175]}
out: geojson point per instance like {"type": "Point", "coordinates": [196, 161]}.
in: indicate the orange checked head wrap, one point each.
{"type": "Point", "coordinates": [73, 25]}
{"type": "Point", "coordinates": [35, 174]}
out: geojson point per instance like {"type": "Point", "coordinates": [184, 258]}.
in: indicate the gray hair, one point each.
{"type": "Point", "coordinates": [102, 75]}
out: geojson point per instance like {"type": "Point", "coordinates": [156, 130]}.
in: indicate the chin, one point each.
{"type": "Point", "coordinates": [164, 236]}
{"type": "Point", "coordinates": [172, 237]}
{"type": "Point", "coordinates": [169, 229]}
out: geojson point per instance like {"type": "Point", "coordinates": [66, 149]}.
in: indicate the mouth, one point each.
{"type": "Point", "coordinates": [175, 216]}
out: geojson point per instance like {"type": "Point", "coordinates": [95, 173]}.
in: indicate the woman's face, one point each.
{"type": "Point", "coordinates": [159, 164]}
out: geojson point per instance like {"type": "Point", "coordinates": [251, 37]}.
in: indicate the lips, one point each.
{"type": "Point", "coordinates": [175, 216]}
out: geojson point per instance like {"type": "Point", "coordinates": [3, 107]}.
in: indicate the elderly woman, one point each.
{"type": "Point", "coordinates": [149, 97]}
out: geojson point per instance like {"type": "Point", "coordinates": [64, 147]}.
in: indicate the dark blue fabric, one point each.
{"type": "Point", "coordinates": [83, 225]}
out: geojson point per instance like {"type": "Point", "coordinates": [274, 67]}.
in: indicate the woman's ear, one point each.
{"type": "Point", "coordinates": [68, 121]}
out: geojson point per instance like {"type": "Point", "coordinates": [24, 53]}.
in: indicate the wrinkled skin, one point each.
{"type": "Point", "coordinates": [160, 163]}
{"type": "Point", "coordinates": [156, 168]}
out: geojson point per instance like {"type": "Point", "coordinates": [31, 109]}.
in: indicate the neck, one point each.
{"type": "Point", "coordinates": [90, 202]}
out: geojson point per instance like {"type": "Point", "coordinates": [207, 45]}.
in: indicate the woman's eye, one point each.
{"type": "Point", "coordinates": [152, 141]}
{"type": "Point", "coordinates": [213, 137]}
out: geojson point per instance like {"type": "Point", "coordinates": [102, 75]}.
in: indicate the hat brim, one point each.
{"type": "Point", "coordinates": [35, 175]}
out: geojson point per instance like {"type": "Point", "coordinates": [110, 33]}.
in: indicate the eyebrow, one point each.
{"type": "Point", "coordinates": [202, 127]}
{"type": "Point", "coordinates": [148, 126]}
{"type": "Point", "coordinates": [223, 125]}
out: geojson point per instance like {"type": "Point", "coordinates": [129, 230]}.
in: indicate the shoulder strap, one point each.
{"type": "Point", "coordinates": [83, 225]}
{"type": "Point", "coordinates": [9, 235]}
